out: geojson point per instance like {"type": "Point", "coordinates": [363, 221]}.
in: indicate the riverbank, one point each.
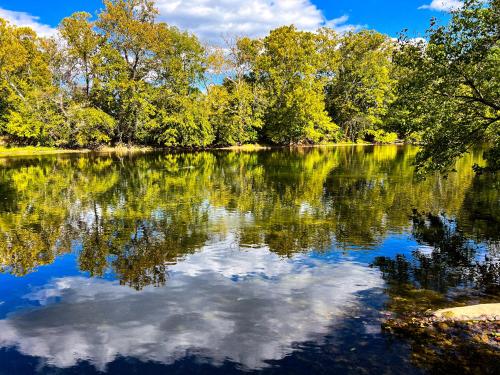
{"type": "Point", "coordinates": [33, 150]}
{"type": "Point", "coordinates": [437, 342]}
{"type": "Point", "coordinates": [8, 151]}
{"type": "Point", "coordinates": [256, 146]}
{"type": "Point", "coordinates": [464, 335]}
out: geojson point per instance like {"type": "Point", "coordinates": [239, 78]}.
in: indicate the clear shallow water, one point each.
{"type": "Point", "coordinates": [224, 262]}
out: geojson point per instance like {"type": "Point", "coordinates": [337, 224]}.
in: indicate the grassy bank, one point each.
{"type": "Point", "coordinates": [256, 146]}
{"type": "Point", "coordinates": [8, 151]}
{"type": "Point", "coordinates": [33, 150]}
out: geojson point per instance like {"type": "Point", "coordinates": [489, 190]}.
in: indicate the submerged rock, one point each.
{"type": "Point", "coordinates": [467, 346]}
{"type": "Point", "coordinates": [475, 312]}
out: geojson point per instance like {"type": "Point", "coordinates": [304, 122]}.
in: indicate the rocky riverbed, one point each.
{"type": "Point", "coordinates": [447, 336]}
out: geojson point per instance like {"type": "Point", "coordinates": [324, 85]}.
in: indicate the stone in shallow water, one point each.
{"type": "Point", "coordinates": [490, 310]}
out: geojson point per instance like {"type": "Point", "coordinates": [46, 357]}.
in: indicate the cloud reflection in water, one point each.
{"type": "Point", "coordinates": [223, 304]}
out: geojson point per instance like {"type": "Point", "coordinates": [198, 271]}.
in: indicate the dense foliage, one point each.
{"type": "Point", "coordinates": [125, 78]}
{"type": "Point", "coordinates": [449, 90]}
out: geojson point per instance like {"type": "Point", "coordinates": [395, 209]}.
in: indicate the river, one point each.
{"type": "Point", "coordinates": [224, 262]}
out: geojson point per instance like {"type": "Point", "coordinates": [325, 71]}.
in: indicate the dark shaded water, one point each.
{"type": "Point", "coordinates": [282, 262]}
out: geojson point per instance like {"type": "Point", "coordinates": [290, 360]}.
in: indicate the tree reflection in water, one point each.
{"type": "Point", "coordinates": [139, 213]}
{"type": "Point", "coordinates": [449, 270]}
{"type": "Point", "coordinates": [156, 219]}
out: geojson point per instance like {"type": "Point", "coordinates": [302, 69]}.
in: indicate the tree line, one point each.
{"type": "Point", "coordinates": [125, 78]}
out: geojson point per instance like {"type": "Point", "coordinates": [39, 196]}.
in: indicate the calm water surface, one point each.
{"type": "Point", "coordinates": [281, 262]}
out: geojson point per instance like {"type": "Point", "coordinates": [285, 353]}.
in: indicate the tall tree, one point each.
{"type": "Point", "coordinates": [147, 75]}
{"type": "Point", "coordinates": [30, 109]}
{"type": "Point", "coordinates": [452, 89]}
{"type": "Point", "coordinates": [237, 106]}
{"type": "Point", "coordinates": [82, 46]}
{"type": "Point", "coordinates": [129, 30]}
{"type": "Point", "coordinates": [360, 88]}
{"type": "Point", "coordinates": [288, 69]}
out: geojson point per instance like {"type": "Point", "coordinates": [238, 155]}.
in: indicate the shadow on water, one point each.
{"type": "Point", "coordinates": [356, 345]}
{"type": "Point", "coordinates": [282, 261]}
{"type": "Point", "coordinates": [450, 263]}
{"type": "Point", "coordinates": [451, 270]}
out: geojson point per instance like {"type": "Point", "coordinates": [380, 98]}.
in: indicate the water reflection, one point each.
{"type": "Point", "coordinates": [257, 259]}
{"type": "Point", "coordinates": [447, 269]}
{"type": "Point", "coordinates": [247, 307]}
{"type": "Point", "coordinates": [448, 262]}
{"type": "Point", "coordinates": [147, 211]}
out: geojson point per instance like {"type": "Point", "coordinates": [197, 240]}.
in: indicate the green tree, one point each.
{"type": "Point", "coordinates": [146, 76]}
{"type": "Point", "coordinates": [288, 69]}
{"type": "Point", "coordinates": [452, 90]}
{"type": "Point", "coordinates": [91, 126]}
{"type": "Point", "coordinates": [185, 123]}
{"type": "Point", "coordinates": [237, 106]}
{"type": "Point", "coordinates": [360, 87]}
{"type": "Point", "coordinates": [82, 45]}
{"type": "Point", "coordinates": [31, 112]}
{"type": "Point", "coordinates": [236, 112]}
{"type": "Point", "coordinates": [125, 61]}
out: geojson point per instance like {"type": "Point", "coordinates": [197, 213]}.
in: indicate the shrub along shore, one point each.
{"type": "Point", "coordinates": [10, 151]}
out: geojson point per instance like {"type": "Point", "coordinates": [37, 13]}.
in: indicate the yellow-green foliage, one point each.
{"type": "Point", "coordinates": [380, 136]}
{"type": "Point", "coordinates": [449, 87]}
{"type": "Point", "coordinates": [291, 196]}
{"type": "Point", "coordinates": [125, 78]}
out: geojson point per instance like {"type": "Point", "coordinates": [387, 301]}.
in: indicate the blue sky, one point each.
{"type": "Point", "coordinates": [210, 19]}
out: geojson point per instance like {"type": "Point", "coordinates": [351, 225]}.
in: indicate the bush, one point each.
{"type": "Point", "coordinates": [379, 136]}
{"type": "Point", "coordinates": [92, 127]}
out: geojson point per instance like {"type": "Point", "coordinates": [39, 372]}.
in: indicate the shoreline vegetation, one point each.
{"type": "Point", "coordinates": [6, 152]}
{"type": "Point", "coordinates": [124, 77]}
{"type": "Point", "coordinates": [12, 151]}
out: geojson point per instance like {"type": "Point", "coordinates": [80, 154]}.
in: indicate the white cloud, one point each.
{"type": "Point", "coordinates": [443, 5]}
{"type": "Point", "coordinates": [340, 24]}
{"type": "Point", "coordinates": [27, 20]}
{"type": "Point", "coordinates": [210, 19]}
{"type": "Point", "coordinates": [219, 304]}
